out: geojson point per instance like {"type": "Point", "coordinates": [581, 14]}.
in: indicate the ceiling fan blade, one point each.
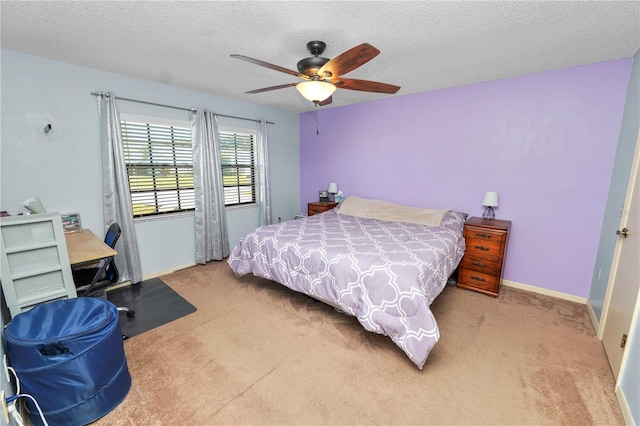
{"type": "Point", "coordinates": [326, 101]}
{"type": "Point", "coordinates": [266, 89]}
{"type": "Point", "coordinates": [270, 66]}
{"type": "Point", "coordinates": [349, 60]}
{"type": "Point", "coordinates": [366, 86]}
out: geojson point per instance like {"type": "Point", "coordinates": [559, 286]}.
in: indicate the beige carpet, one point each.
{"type": "Point", "coordinates": [257, 353]}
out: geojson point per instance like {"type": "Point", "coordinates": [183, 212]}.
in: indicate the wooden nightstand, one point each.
{"type": "Point", "coordinates": [486, 248]}
{"type": "Point", "coordinates": [319, 207]}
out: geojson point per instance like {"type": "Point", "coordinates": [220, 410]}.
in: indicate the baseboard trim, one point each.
{"type": "Point", "coordinates": [155, 275]}
{"type": "Point", "coordinates": [594, 321]}
{"type": "Point", "coordinates": [546, 292]}
{"type": "Point", "coordinates": [624, 406]}
{"type": "Point", "coordinates": [168, 271]}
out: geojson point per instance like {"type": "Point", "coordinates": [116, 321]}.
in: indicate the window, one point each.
{"type": "Point", "coordinates": [238, 154]}
{"type": "Point", "coordinates": [159, 164]}
{"type": "Point", "coordinates": [159, 161]}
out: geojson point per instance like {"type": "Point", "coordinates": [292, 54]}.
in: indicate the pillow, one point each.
{"type": "Point", "coordinates": [391, 212]}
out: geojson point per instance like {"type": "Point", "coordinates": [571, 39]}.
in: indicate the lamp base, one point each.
{"type": "Point", "coordinates": [488, 213]}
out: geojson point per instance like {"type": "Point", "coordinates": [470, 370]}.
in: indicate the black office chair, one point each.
{"type": "Point", "coordinates": [94, 281]}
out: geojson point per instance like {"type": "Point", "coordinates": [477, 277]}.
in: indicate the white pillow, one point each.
{"type": "Point", "coordinates": [391, 212]}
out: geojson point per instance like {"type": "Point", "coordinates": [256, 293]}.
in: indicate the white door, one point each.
{"type": "Point", "coordinates": [625, 278]}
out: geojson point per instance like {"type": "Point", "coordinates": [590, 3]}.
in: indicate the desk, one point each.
{"type": "Point", "coordinates": [85, 248]}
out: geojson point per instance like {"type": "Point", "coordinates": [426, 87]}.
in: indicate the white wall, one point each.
{"type": "Point", "coordinates": [63, 167]}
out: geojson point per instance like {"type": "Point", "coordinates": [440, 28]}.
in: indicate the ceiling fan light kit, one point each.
{"type": "Point", "coordinates": [323, 76]}
{"type": "Point", "coordinates": [316, 91]}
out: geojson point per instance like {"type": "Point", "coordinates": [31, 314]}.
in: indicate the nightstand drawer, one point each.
{"type": "Point", "coordinates": [484, 235]}
{"type": "Point", "coordinates": [314, 209]}
{"type": "Point", "coordinates": [319, 207]}
{"type": "Point", "coordinates": [478, 280]}
{"type": "Point", "coordinates": [486, 248]}
{"type": "Point", "coordinates": [487, 265]}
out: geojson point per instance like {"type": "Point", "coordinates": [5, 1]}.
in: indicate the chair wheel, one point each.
{"type": "Point", "coordinates": [131, 313]}
{"type": "Point", "coordinates": [124, 337]}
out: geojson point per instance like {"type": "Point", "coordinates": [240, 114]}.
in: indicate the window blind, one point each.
{"type": "Point", "coordinates": [238, 167]}
{"type": "Point", "coordinates": [159, 163]}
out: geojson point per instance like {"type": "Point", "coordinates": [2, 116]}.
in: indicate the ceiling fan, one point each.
{"type": "Point", "coordinates": [323, 76]}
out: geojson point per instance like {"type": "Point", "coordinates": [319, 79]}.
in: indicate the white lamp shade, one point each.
{"type": "Point", "coordinates": [316, 91]}
{"type": "Point", "coordinates": [333, 188]}
{"type": "Point", "coordinates": [490, 199]}
{"type": "Point", "coordinates": [34, 205]}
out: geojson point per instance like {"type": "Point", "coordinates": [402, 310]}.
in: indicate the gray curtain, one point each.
{"type": "Point", "coordinates": [264, 192]}
{"type": "Point", "coordinates": [211, 237]}
{"type": "Point", "coordinates": [117, 198]}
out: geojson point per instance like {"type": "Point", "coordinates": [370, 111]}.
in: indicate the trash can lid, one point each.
{"type": "Point", "coordinates": [61, 318]}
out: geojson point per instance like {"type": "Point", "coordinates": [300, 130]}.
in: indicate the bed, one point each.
{"type": "Point", "coordinates": [378, 261]}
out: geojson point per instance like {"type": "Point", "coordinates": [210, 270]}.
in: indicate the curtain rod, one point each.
{"type": "Point", "coordinates": [176, 107]}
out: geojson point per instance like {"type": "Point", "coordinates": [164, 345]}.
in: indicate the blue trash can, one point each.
{"type": "Point", "coordinates": [69, 355]}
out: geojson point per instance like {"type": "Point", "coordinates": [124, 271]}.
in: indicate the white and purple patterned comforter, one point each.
{"type": "Point", "coordinates": [386, 274]}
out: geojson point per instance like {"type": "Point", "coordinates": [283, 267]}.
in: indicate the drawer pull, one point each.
{"type": "Point", "coordinates": [480, 264]}
{"type": "Point", "coordinates": [483, 248]}
{"type": "Point", "coordinates": [473, 277]}
{"type": "Point", "coordinates": [483, 235]}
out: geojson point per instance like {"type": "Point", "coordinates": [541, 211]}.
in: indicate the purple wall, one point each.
{"type": "Point", "coordinates": [545, 142]}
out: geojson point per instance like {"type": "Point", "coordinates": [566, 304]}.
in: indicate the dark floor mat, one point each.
{"type": "Point", "coordinates": [154, 303]}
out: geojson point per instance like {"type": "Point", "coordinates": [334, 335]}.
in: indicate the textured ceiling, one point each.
{"type": "Point", "coordinates": [425, 45]}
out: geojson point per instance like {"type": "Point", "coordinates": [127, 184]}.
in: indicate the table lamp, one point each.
{"type": "Point", "coordinates": [489, 202]}
{"type": "Point", "coordinates": [34, 205]}
{"type": "Point", "coordinates": [333, 190]}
